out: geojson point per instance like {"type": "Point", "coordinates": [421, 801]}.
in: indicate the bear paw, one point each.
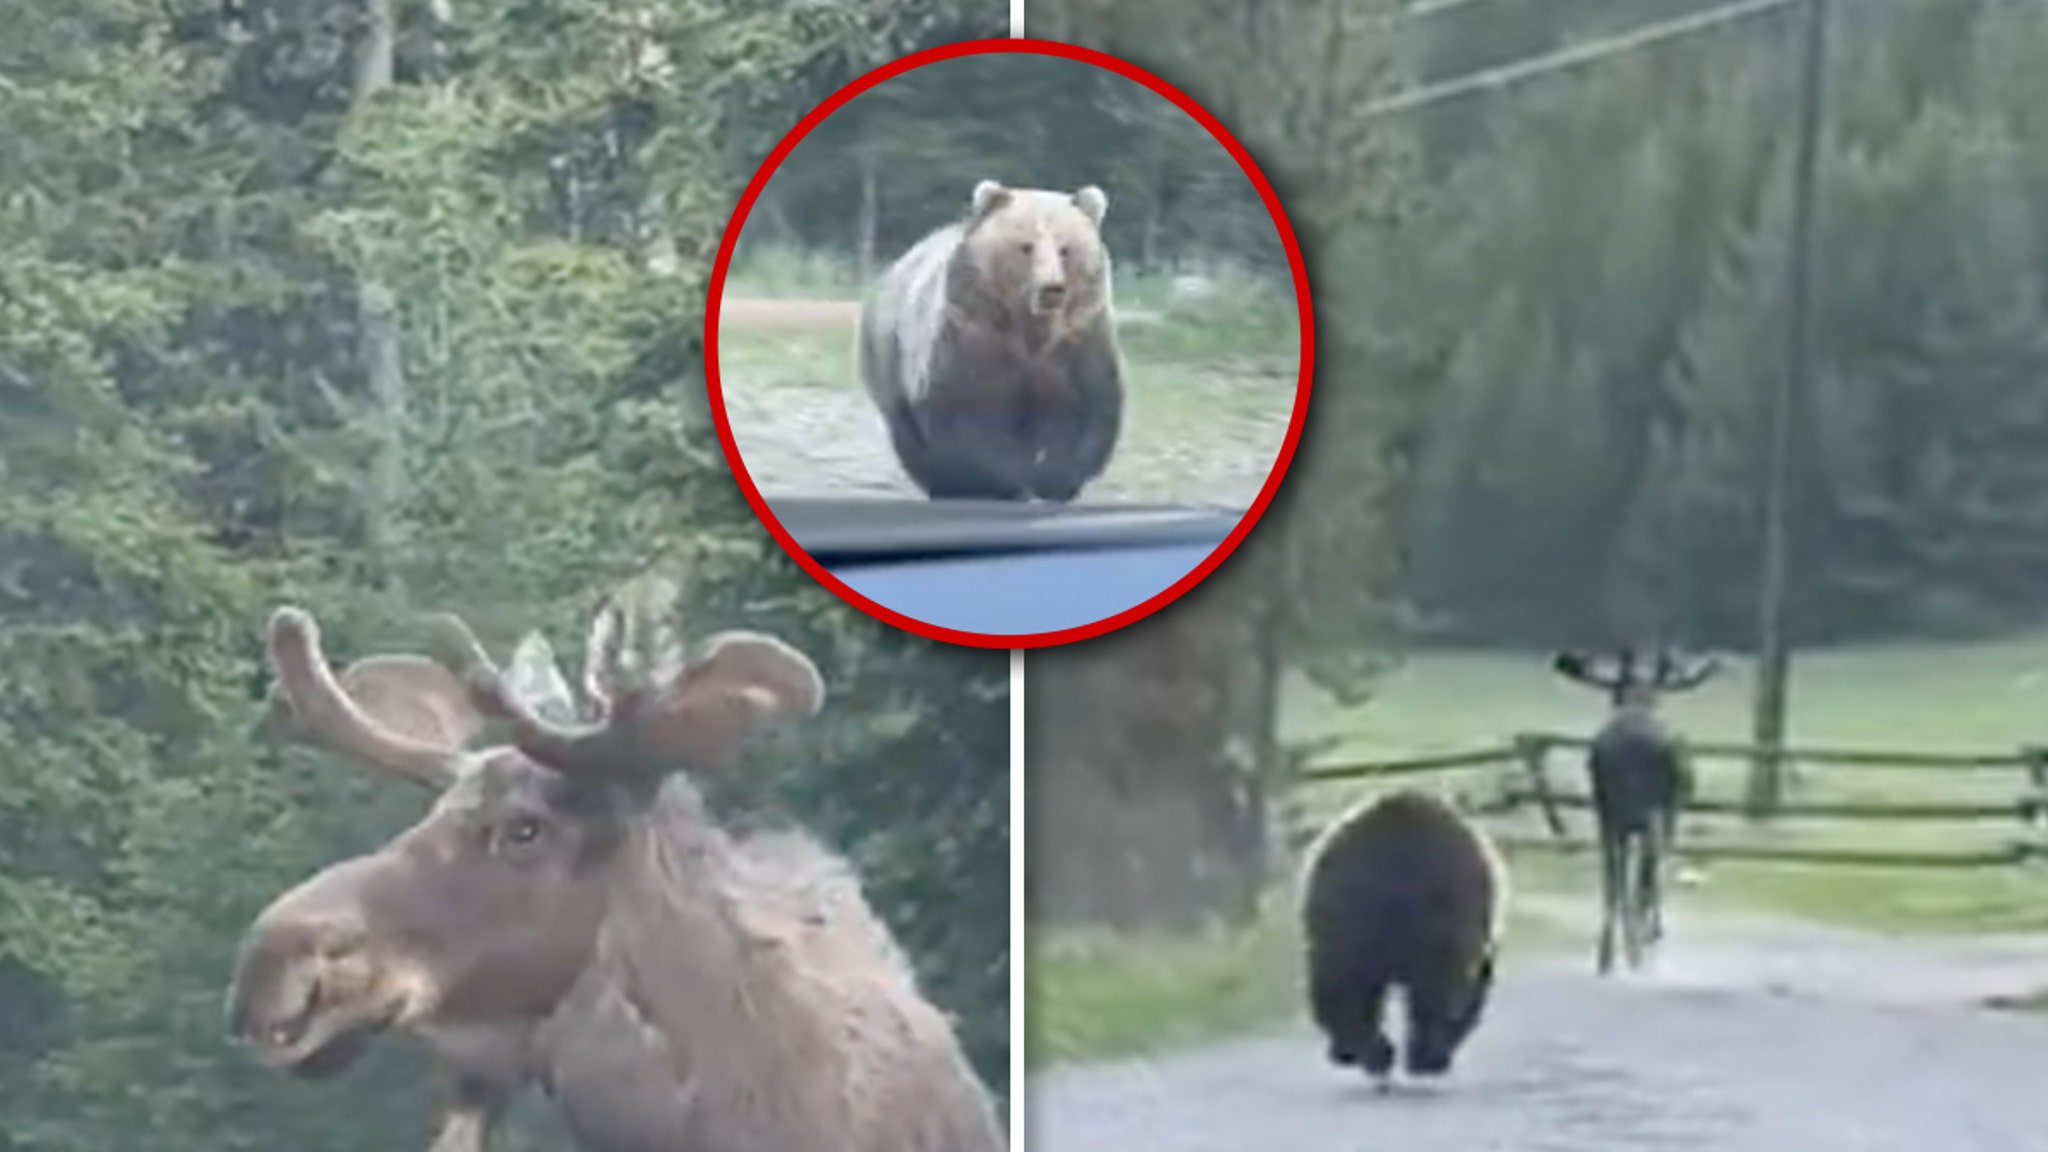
{"type": "Point", "coordinates": [1378, 1058]}
{"type": "Point", "coordinates": [1427, 1062]}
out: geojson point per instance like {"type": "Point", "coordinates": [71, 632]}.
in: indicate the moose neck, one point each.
{"type": "Point", "coordinates": [687, 1003]}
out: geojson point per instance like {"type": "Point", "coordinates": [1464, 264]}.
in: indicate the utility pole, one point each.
{"type": "Point", "coordinates": [1766, 782]}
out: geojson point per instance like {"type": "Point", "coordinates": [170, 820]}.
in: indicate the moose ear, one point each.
{"type": "Point", "coordinates": [989, 196]}
{"type": "Point", "coordinates": [741, 685]}
{"type": "Point", "coordinates": [535, 678]}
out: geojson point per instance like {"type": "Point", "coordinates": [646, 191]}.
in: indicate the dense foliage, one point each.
{"type": "Point", "coordinates": [1550, 316]}
{"type": "Point", "coordinates": [1588, 271]}
{"type": "Point", "coordinates": [383, 307]}
{"type": "Point", "coordinates": [909, 151]}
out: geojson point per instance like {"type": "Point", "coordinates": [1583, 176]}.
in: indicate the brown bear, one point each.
{"type": "Point", "coordinates": [990, 349]}
{"type": "Point", "coordinates": [1403, 892]}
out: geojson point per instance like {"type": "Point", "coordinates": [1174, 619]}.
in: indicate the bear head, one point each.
{"type": "Point", "coordinates": [1039, 253]}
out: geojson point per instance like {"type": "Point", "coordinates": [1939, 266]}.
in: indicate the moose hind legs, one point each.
{"type": "Point", "coordinates": [1613, 877]}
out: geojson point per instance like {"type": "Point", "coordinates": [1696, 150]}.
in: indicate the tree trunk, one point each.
{"type": "Point", "coordinates": [377, 317]}
{"type": "Point", "coordinates": [870, 210]}
{"type": "Point", "coordinates": [1146, 766]}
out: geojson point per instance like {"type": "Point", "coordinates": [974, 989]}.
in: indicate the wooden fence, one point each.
{"type": "Point", "coordinates": [1525, 780]}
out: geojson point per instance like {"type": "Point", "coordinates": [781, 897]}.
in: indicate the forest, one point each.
{"type": "Point", "coordinates": [386, 307]}
{"type": "Point", "coordinates": [1549, 322]}
{"type": "Point", "coordinates": [1568, 294]}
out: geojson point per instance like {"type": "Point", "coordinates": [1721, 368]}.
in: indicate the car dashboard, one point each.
{"type": "Point", "coordinates": [1000, 568]}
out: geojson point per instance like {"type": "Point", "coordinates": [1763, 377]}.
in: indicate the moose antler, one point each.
{"type": "Point", "coordinates": [325, 713]}
{"type": "Point", "coordinates": [741, 683]}
{"type": "Point", "coordinates": [1624, 676]}
{"type": "Point", "coordinates": [1672, 676]}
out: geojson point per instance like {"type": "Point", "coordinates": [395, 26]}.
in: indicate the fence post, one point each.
{"type": "Point", "coordinates": [2034, 806]}
{"type": "Point", "coordinates": [1295, 832]}
{"type": "Point", "coordinates": [1534, 751]}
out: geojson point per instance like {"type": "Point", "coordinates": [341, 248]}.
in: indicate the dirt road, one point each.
{"type": "Point", "coordinates": [1771, 1039]}
{"type": "Point", "coordinates": [802, 423]}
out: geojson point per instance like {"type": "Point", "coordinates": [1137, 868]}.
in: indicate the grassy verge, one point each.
{"type": "Point", "coordinates": [1093, 997]}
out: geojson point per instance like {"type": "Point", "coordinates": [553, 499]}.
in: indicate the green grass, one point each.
{"type": "Point", "coordinates": [1093, 997]}
{"type": "Point", "coordinates": [1249, 317]}
{"type": "Point", "coordinates": [1100, 997]}
{"type": "Point", "coordinates": [779, 271]}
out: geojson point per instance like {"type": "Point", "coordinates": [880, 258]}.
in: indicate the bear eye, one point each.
{"type": "Point", "coordinates": [1024, 246]}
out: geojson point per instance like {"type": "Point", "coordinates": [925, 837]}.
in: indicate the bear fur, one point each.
{"type": "Point", "coordinates": [1401, 892]}
{"type": "Point", "coordinates": [990, 349]}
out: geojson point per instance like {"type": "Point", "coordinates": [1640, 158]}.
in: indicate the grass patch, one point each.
{"type": "Point", "coordinates": [1893, 900]}
{"type": "Point", "coordinates": [1091, 997]}
{"type": "Point", "coordinates": [782, 271]}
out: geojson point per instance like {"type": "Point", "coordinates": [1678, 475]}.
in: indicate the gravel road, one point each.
{"type": "Point", "coordinates": [802, 423]}
{"type": "Point", "coordinates": [1767, 1040]}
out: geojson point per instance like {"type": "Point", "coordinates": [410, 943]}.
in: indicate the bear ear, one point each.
{"type": "Point", "coordinates": [989, 196]}
{"type": "Point", "coordinates": [1093, 203]}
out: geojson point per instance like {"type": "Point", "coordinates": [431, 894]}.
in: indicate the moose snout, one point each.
{"type": "Point", "coordinates": [278, 981]}
{"type": "Point", "coordinates": [312, 985]}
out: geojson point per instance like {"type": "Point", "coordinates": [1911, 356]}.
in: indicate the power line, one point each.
{"type": "Point", "coordinates": [1564, 59]}
{"type": "Point", "coordinates": [1423, 9]}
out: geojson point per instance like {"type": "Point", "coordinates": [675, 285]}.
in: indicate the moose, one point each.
{"type": "Point", "coordinates": [568, 917]}
{"type": "Point", "coordinates": [1639, 775]}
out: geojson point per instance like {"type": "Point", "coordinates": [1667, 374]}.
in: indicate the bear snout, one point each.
{"type": "Point", "coordinates": [1049, 297]}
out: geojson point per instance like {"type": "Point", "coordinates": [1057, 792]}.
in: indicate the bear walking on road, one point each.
{"type": "Point", "coordinates": [990, 349]}
{"type": "Point", "coordinates": [1401, 892]}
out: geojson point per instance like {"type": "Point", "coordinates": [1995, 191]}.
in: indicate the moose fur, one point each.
{"type": "Point", "coordinates": [568, 917]}
{"type": "Point", "coordinates": [1639, 776]}
{"type": "Point", "coordinates": [1401, 892]}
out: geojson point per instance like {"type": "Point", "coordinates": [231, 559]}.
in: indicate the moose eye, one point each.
{"type": "Point", "coordinates": [520, 830]}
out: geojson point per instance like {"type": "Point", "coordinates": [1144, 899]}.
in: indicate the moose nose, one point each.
{"type": "Point", "coordinates": [277, 980]}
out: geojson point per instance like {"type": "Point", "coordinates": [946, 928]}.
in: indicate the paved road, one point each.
{"type": "Point", "coordinates": [1773, 1041]}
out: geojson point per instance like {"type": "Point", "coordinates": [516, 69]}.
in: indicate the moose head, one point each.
{"type": "Point", "coordinates": [482, 916]}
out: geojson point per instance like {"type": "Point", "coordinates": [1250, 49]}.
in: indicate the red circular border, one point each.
{"type": "Point", "coordinates": [1034, 639]}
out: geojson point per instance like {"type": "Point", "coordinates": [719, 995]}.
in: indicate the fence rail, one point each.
{"type": "Point", "coordinates": [2017, 852]}
{"type": "Point", "coordinates": [1839, 757]}
{"type": "Point", "coordinates": [1413, 765]}
{"type": "Point", "coordinates": [1532, 753]}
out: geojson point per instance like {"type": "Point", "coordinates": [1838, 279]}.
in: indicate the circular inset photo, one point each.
{"type": "Point", "coordinates": [1009, 343]}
